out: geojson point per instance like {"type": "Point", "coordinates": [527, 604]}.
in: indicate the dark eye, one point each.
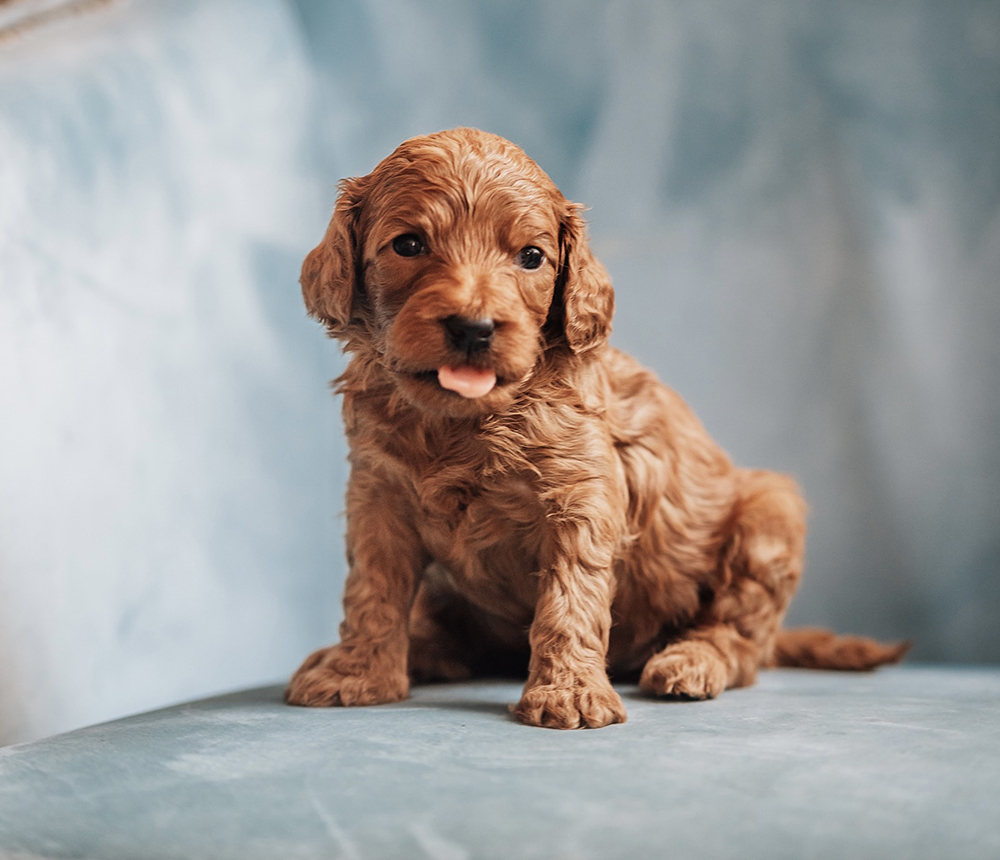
{"type": "Point", "coordinates": [408, 245]}
{"type": "Point", "coordinates": [530, 257]}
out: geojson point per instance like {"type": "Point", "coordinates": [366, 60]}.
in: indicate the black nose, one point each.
{"type": "Point", "coordinates": [469, 335]}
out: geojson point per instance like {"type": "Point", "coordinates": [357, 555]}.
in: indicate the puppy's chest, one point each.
{"type": "Point", "coordinates": [477, 510]}
{"type": "Point", "coordinates": [477, 504]}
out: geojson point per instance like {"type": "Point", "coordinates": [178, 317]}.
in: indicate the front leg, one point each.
{"type": "Point", "coordinates": [568, 684]}
{"type": "Point", "coordinates": [385, 556]}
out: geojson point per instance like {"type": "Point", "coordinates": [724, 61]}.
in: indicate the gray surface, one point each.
{"type": "Point", "coordinates": [904, 763]}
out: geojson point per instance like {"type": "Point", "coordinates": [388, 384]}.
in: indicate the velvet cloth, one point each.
{"type": "Point", "coordinates": [900, 763]}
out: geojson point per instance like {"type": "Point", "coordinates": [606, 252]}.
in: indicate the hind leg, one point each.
{"type": "Point", "coordinates": [760, 568]}
{"type": "Point", "coordinates": [437, 651]}
{"type": "Point", "coordinates": [452, 640]}
{"type": "Point", "coordinates": [701, 664]}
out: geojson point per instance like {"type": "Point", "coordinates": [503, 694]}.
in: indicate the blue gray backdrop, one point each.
{"type": "Point", "coordinates": [799, 202]}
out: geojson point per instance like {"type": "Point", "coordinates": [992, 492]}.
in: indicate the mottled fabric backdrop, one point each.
{"type": "Point", "coordinates": [799, 202]}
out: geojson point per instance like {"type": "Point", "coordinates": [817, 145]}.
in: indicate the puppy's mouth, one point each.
{"type": "Point", "coordinates": [464, 380]}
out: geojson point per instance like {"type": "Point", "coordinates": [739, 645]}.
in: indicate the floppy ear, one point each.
{"type": "Point", "coordinates": [331, 270]}
{"type": "Point", "coordinates": [588, 300]}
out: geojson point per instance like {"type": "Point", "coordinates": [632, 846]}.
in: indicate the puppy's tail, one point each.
{"type": "Point", "coordinates": [813, 648]}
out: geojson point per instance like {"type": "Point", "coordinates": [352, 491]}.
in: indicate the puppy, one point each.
{"type": "Point", "coordinates": [521, 493]}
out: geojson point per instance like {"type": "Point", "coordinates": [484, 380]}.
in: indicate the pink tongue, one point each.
{"type": "Point", "coordinates": [468, 381]}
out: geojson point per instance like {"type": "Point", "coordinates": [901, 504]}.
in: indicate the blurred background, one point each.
{"type": "Point", "coordinates": [799, 202]}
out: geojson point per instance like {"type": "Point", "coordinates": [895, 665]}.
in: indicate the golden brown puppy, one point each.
{"type": "Point", "coordinates": [519, 489]}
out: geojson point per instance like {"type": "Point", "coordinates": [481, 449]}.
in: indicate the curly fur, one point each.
{"type": "Point", "coordinates": [575, 520]}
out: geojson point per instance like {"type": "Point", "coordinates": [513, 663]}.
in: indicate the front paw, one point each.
{"type": "Point", "coordinates": [552, 707]}
{"type": "Point", "coordinates": [334, 676]}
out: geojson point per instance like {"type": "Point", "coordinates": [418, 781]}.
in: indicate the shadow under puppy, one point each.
{"type": "Point", "coordinates": [519, 489]}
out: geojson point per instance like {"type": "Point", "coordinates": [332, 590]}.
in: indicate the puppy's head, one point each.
{"type": "Point", "coordinates": [455, 265]}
